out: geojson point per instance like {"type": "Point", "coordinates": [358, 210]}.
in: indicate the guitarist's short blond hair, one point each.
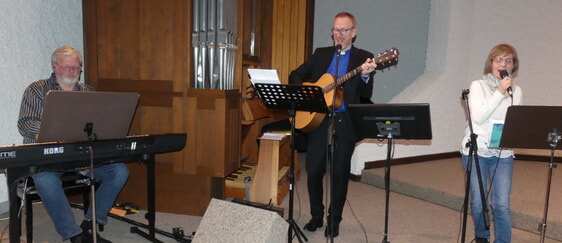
{"type": "Point", "coordinates": [348, 15]}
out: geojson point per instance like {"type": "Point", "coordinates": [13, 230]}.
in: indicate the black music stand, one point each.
{"type": "Point", "coordinates": [534, 127]}
{"type": "Point", "coordinates": [390, 121]}
{"type": "Point", "coordinates": [292, 97]}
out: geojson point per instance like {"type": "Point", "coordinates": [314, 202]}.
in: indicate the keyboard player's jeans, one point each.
{"type": "Point", "coordinates": [49, 187]}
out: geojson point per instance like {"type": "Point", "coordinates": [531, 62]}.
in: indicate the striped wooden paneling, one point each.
{"type": "Point", "coordinates": [289, 36]}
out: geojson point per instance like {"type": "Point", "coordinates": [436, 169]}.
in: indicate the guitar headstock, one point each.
{"type": "Point", "coordinates": [387, 59]}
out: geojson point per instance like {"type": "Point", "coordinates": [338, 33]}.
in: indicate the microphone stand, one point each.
{"type": "Point", "coordinates": [473, 153]}
{"type": "Point", "coordinates": [553, 138]}
{"type": "Point", "coordinates": [330, 160]}
{"type": "Point", "coordinates": [92, 137]}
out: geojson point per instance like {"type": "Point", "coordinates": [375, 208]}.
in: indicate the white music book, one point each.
{"type": "Point", "coordinates": [268, 76]}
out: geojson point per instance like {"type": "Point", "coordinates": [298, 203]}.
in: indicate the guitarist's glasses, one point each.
{"type": "Point", "coordinates": [341, 31]}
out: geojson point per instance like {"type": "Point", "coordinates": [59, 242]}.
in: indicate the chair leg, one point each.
{"type": "Point", "coordinates": [86, 200]}
{"type": "Point", "coordinates": [29, 219]}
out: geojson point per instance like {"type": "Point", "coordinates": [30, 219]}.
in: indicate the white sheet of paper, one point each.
{"type": "Point", "coordinates": [273, 136]}
{"type": "Point", "coordinates": [268, 76]}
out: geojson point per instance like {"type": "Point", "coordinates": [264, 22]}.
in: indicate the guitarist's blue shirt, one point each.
{"type": "Point", "coordinates": [342, 70]}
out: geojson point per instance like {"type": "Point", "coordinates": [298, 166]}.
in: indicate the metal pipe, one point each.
{"type": "Point", "coordinates": [253, 29]}
{"type": "Point", "coordinates": [195, 42]}
{"type": "Point", "coordinates": [213, 43]}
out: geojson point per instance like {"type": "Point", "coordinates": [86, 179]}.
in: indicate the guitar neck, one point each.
{"type": "Point", "coordinates": [383, 60]}
{"type": "Point", "coordinates": [348, 75]}
{"type": "Point", "coordinates": [339, 81]}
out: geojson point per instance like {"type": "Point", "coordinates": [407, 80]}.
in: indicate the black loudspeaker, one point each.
{"type": "Point", "coordinates": [225, 221]}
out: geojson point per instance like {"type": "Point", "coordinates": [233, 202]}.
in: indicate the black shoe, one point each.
{"type": "Point", "coordinates": [81, 238]}
{"type": "Point", "coordinates": [332, 230]}
{"type": "Point", "coordinates": [481, 240]}
{"type": "Point", "coordinates": [99, 239]}
{"type": "Point", "coordinates": [87, 229]}
{"type": "Point", "coordinates": [313, 224]}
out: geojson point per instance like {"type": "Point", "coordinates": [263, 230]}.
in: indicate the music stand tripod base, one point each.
{"type": "Point", "coordinates": [293, 98]}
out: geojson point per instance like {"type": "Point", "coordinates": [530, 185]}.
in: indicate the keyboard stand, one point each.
{"type": "Point", "coordinates": [16, 173]}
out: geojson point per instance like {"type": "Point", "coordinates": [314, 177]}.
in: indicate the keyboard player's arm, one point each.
{"type": "Point", "coordinates": [29, 119]}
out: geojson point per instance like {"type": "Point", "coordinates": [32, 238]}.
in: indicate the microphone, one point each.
{"type": "Point", "coordinates": [465, 93]}
{"type": "Point", "coordinates": [503, 74]}
{"type": "Point", "coordinates": [338, 49]}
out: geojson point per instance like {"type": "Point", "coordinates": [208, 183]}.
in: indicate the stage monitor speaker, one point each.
{"type": "Point", "coordinates": [225, 221]}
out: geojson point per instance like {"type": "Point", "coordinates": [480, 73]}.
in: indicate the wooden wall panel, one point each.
{"type": "Point", "coordinates": [182, 66]}
{"type": "Point", "coordinates": [214, 122]}
{"type": "Point", "coordinates": [143, 39]}
{"type": "Point", "coordinates": [156, 39]}
{"type": "Point", "coordinates": [289, 36]}
{"type": "Point", "coordinates": [145, 46]}
{"type": "Point", "coordinates": [117, 45]}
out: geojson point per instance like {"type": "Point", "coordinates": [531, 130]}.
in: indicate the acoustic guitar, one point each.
{"type": "Point", "coordinates": [307, 121]}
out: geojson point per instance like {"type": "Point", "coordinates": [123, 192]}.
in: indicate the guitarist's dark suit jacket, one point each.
{"type": "Point", "coordinates": [318, 64]}
{"type": "Point", "coordinates": [355, 90]}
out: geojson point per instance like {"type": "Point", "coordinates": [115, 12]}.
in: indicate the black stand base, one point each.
{"type": "Point", "coordinates": [298, 232]}
{"type": "Point", "coordinates": [292, 224]}
{"type": "Point", "coordinates": [136, 230]}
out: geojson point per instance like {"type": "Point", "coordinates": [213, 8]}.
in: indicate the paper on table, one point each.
{"type": "Point", "coordinates": [273, 136]}
{"type": "Point", "coordinates": [268, 76]}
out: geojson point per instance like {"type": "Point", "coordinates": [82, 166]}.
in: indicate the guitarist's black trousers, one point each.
{"type": "Point", "coordinates": [316, 165]}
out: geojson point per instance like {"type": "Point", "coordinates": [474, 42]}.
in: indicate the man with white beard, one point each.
{"type": "Point", "coordinates": [66, 63]}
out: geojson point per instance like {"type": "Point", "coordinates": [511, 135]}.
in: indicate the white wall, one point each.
{"type": "Point", "coordinates": [461, 34]}
{"type": "Point", "coordinates": [30, 31]}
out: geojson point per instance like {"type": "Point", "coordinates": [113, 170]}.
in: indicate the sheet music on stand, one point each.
{"type": "Point", "coordinates": [281, 96]}
{"type": "Point", "coordinates": [268, 76]}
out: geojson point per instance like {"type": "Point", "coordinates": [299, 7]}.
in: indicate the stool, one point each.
{"type": "Point", "coordinates": [71, 183]}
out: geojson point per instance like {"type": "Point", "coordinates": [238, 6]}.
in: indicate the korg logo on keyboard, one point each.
{"type": "Point", "coordinates": [8, 155]}
{"type": "Point", "coordinates": [55, 150]}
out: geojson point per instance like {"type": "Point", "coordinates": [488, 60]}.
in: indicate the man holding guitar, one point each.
{"type": "Point", "coordinates": [321, 68]}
